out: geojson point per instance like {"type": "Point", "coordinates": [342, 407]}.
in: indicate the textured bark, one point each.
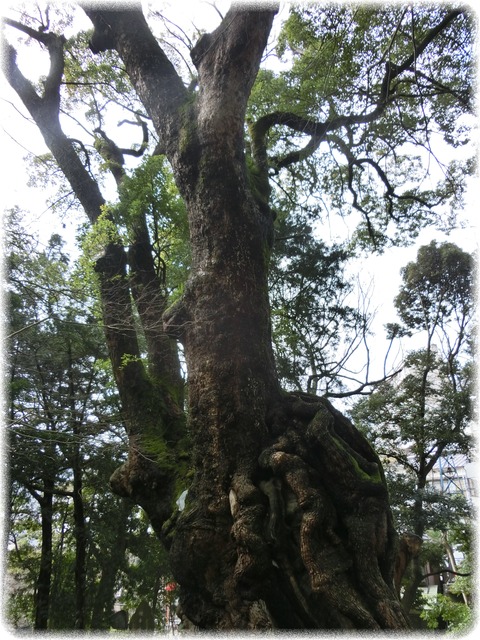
{"type": "Point", "coordinates": [44, 578]}
{"type": "Point", "coordinates": [287, 523]}
{"type": "Point", "coordinates": [148, 292]}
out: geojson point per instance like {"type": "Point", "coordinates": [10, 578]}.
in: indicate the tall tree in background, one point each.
{"type": "Point", "coordinates": [54, 398]}
{"type": "Point", "coordinates": [428, 412]}
{"type": "Point", "coordinates": [36, 423]}
{"type": "Point", "coordinates": [287, 522]}
{"type": "Point", "coordinates": [72, 546]}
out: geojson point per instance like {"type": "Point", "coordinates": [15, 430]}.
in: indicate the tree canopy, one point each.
{"type": "Point", "coordinates": [206, 165]}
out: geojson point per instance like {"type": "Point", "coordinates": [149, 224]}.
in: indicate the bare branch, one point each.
{"type": "Point", "coordinates": [437, 573]}
{"type": "Point", "coordinates": [360, 390]}
{"type": "Point", "coordinates": [28, 326]}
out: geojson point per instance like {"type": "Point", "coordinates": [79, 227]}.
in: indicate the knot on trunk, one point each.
{"type": "Point", "coordinates": [102, 37]}
{"type": "Point", "coordinates": [201, 48]}
{"type": "Point", "coordinates": [253, 561]}
{"type": "Point", "coordinates": [142, 481]}
{"type": "Point", "coordinates": [176, 319]}
{"type": "Point", "coordinates": [113, 260]}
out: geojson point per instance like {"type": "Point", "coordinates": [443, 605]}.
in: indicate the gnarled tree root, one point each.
{"type": "Point", "coordinates": [310, 539]}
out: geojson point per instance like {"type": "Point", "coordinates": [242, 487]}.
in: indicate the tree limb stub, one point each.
{"type": "Point", "coordinates": [228, 59]}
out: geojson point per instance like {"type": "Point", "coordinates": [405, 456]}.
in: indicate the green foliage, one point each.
{"type": "Point", "coordinates": [438, 288]}
{"type": "Point", "coordinates": [63, 409]}
{"type": "Point", "coordinates": [426, 415]}
{"type": "Point", "coordinates": [145, 574]}
{"type": "Point", "coordinates": [310, 315]}
{"type": "Point", "coordinates": [86, 74]}
{"type": "Point", "coordinates": [150, 194]}
{"type": "Point", "coordinates": [147, 197]}
{"type": "Point", "coordinates": [458, 616]}
{"type": "Point", "coordinates": [432, 400]}
{"type": "Point", "coordinates": [333, 65]}
{"type": "Point", "coordinates": [102, 233]}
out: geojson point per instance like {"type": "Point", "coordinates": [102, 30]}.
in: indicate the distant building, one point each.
{"type": "Point", "coordinates": [454, 474]}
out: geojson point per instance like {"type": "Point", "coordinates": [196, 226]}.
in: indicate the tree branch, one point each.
{"type": "Point", "coordinates": [360, 389]}
{"type": "Point", "coordinates": [153, 76]}
{"type": "Point", "coordinates": [137, 153]}
{"type": "Point", "coordinates": [45, 112]}
{"type": "Point", "coordinates": [34, 490]}
{"type": "Point", "coordinates": [318, 130]}
{"type": "Point", "coordinates": [437, 573]}
{"type": "Point", "coordinates": [54, 43]}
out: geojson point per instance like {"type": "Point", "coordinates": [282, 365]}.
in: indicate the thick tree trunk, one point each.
{"type": "Point", "coordinates": [286, 523]}
{"type": "Point", "coordinates": [223, 321]}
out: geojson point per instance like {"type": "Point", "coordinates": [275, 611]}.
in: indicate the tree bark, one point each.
{"type": "Point", "coordinates": [286, 523]}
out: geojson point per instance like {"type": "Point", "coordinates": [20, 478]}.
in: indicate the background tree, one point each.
{"type": "Point", "coordinates": [315, 330]}
{"type": "Point", "coordinates": [286, 522]}
{"type": "Point", "coordinates": [426, 413]}
{"type": "Point", "coordinates": [53, 384]}
{"type": "Point", "coordinates": [454, 609]}
{"type": "Point", "coordinates": [36, 406]}
{"type": "Point", "coordinates": [70, 543]}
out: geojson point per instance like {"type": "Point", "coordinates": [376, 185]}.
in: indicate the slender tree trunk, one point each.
{"type": "Point", "coordinates": [416, 569]}
{"type": "Point", "coordinates": [110, 561]}
{"type": "Point", "coordinates": [80, 549]}
{"type": "Point", "coordinates": [44, 579]}
{"type": "Point", "coordinates": [79, 524]}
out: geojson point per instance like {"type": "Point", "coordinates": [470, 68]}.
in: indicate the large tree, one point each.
{"type": "Point", "coordinates": [286, 522]}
